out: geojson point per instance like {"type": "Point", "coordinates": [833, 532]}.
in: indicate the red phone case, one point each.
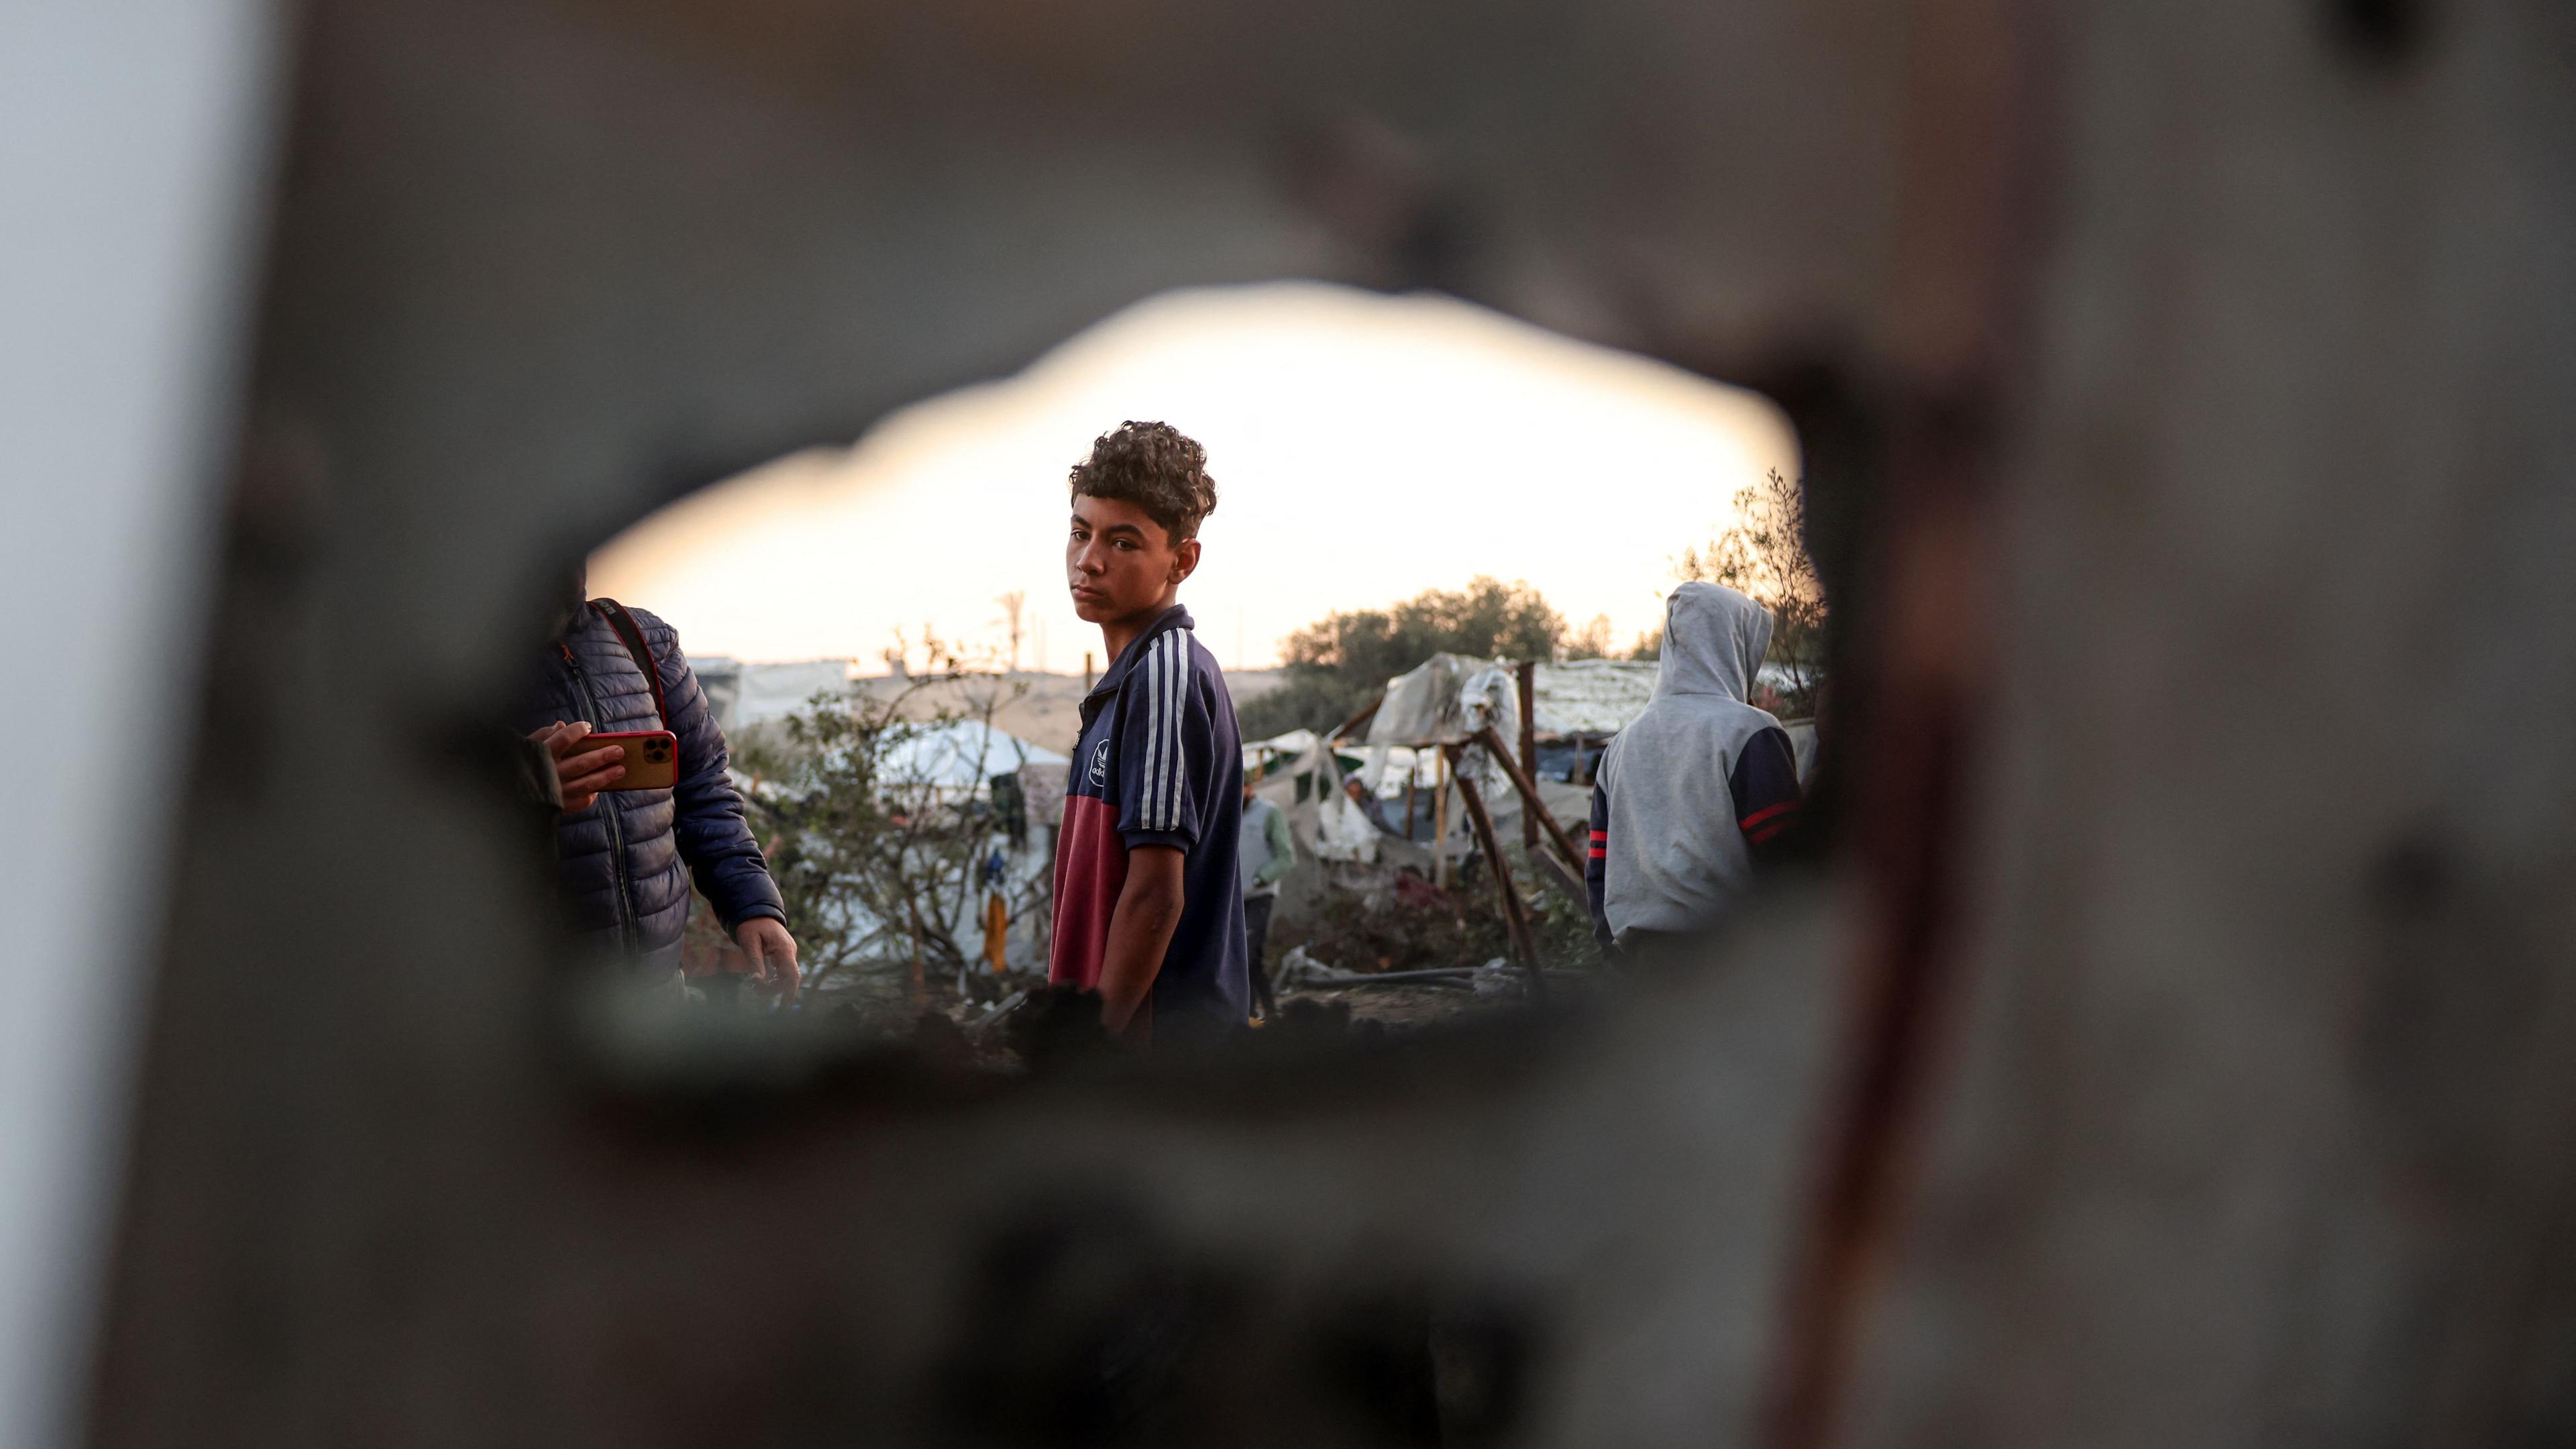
{"type": "Point", "coordinates": [652, 758]}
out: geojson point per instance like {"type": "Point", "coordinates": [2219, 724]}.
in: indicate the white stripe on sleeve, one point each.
{"type": "Point", "coordinates": [1179, 708]}
{"type": "Point", "coordinates": [1145, 774]}
{"type": "Point", "coordinates": [1148, 811]}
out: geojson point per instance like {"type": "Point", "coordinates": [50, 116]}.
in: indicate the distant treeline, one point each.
{"type": "Point", "coordinates": [1340, 662]}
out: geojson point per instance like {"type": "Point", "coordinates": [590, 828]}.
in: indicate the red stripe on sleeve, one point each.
{"type": "Point", "coordinates": [1757, 817]}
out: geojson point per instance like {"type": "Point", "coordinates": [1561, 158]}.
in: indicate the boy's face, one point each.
{"type": "Point", "coordinates": [1120, 563]}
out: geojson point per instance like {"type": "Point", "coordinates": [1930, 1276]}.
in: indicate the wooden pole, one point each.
{"type": "Point", "coordinates": [1354, 722]}
{"type": "Point", "coordinates": [1530, 803]}
{"type": "Point", "coordinates": [1568, 881]}
{"type": "Point", "coordinates": [1440, 828]}
{"type": "Point", "coordinates": [1515, 915]}
{"type": "Point", "coordinates": [1527, 677]}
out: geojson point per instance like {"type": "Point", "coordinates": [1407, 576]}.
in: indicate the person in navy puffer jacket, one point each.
{"type": "Point", "coordinates": [626, 858]}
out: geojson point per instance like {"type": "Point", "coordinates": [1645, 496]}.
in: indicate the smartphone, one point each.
{"type": "Point", "coordinates": [652, 758]}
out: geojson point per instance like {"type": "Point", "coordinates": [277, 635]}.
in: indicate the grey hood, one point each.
{"type": "Point", "coordinates": [1714, 640]}
{"type": "Point", "coordinates": [1674, 857]}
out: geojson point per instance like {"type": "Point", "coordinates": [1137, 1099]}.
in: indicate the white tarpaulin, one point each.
{"type": "Point", "coordinates": [1589, 696]}
{"type": "Point", "coordinates": [1448, 698]}
{"type": "Point", "coordinates": [1278, 750]}
{"type": "Point", "coordinates": [1440, 700]}
{"type": "Point", "coordinates": [1325, 822]}
{"type": "Point", "coordinates": [964, 755]}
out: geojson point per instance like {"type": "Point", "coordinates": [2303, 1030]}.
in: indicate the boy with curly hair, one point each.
{"type": "Point", "coordinates": [1148, 911]}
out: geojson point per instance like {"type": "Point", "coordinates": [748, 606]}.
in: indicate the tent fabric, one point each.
{"type": "Point", "coordinates": [1447, 698]}
{"type": "Point", "coordinates": [961, 755]}
{"type": "Point", "coordinates": [1260, 755]}
{"type": "Point", "coordinates": [1589, 696]}
{"type": "Point", "coordinates": [1327, 825]}
{"type": "Point", "coordinates": [1437, 702]}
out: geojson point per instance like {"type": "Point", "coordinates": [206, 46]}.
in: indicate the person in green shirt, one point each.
{"type": "Point", "coordinates": [1265, 852]}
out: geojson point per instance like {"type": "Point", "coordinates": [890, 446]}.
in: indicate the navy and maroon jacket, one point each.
{"type": "Point", "coordinates": [626, 863]}
{"type": "Point", "coordinates": [1159, 762]}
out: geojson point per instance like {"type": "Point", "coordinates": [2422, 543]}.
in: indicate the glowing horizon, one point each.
{"type": "Point", "coordinates": [1342, 429]}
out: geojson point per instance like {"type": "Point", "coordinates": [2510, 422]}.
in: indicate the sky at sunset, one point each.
{"type": "Point", "coordinates": [1364, 448]}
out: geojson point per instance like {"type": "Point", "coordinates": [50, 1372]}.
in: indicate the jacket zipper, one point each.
{"type": "Point", "coordinates": [629, 938]}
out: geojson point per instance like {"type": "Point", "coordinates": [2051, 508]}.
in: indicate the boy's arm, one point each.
{"type": "Point", "coordinates": [1596, 868]}
{"type": "Point", "coordinates": [1283, 848]}
{"type": "Point", "coordinates": [1167, 775]}
{"type": "Point", "coordinates": [1765, 786]}
{"type": "Point", "coordinates": [1140, 932]}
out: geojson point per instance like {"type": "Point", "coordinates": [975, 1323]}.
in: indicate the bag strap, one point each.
{"type": "Point", "coordinates": [633, 637]}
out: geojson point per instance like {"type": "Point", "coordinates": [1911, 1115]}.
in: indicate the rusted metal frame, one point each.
{"type": "Point", "coordinates": [1515, 914]}
{"type": "Point", "coordinates": [1894, 1019]}
{"type": "Point", "coordinates": [1533, 810]}
{"type": "Point", "coordinates": [1967, 228]}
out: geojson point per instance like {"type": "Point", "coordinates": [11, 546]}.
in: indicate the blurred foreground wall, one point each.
{"type": "Point", "coordinates": [132, 147]}
{"type": "Point", "coordinates": [2172, 1054]}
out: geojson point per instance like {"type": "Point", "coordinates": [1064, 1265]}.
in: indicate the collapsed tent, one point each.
{"type": "Point", "coordinates": [1266, 757]}
{"type": "Point", "coordinates": [1445, 700]}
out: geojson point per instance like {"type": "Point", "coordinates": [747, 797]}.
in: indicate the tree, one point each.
{"type": "Point", "coordinates": [1764, 555]}
{"type": "Point", "coordinates": [876, 849]}
{"type": "Point", "coordinates": [1592, 641]}
{"type": "Point", "coordinates": [1012, 604]}
{"type": "Point", "coordinates": [1338, 663]}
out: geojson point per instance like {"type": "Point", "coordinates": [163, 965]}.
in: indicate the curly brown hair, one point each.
{"type": "Point", "coordinates": [1154, 466]}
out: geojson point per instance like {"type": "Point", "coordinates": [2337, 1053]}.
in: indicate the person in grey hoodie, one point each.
{"type": "Point", "coordinates": [1699, 790]}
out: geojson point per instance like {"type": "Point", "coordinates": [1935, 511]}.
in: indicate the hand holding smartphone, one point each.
{"type": "Point", "coordinates": [586, 765]}
{"type": "Point", "coordinates": [652, 758]}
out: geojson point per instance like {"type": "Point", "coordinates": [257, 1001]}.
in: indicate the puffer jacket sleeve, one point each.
{"type": "Point", "coordinates": [713, 837]}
